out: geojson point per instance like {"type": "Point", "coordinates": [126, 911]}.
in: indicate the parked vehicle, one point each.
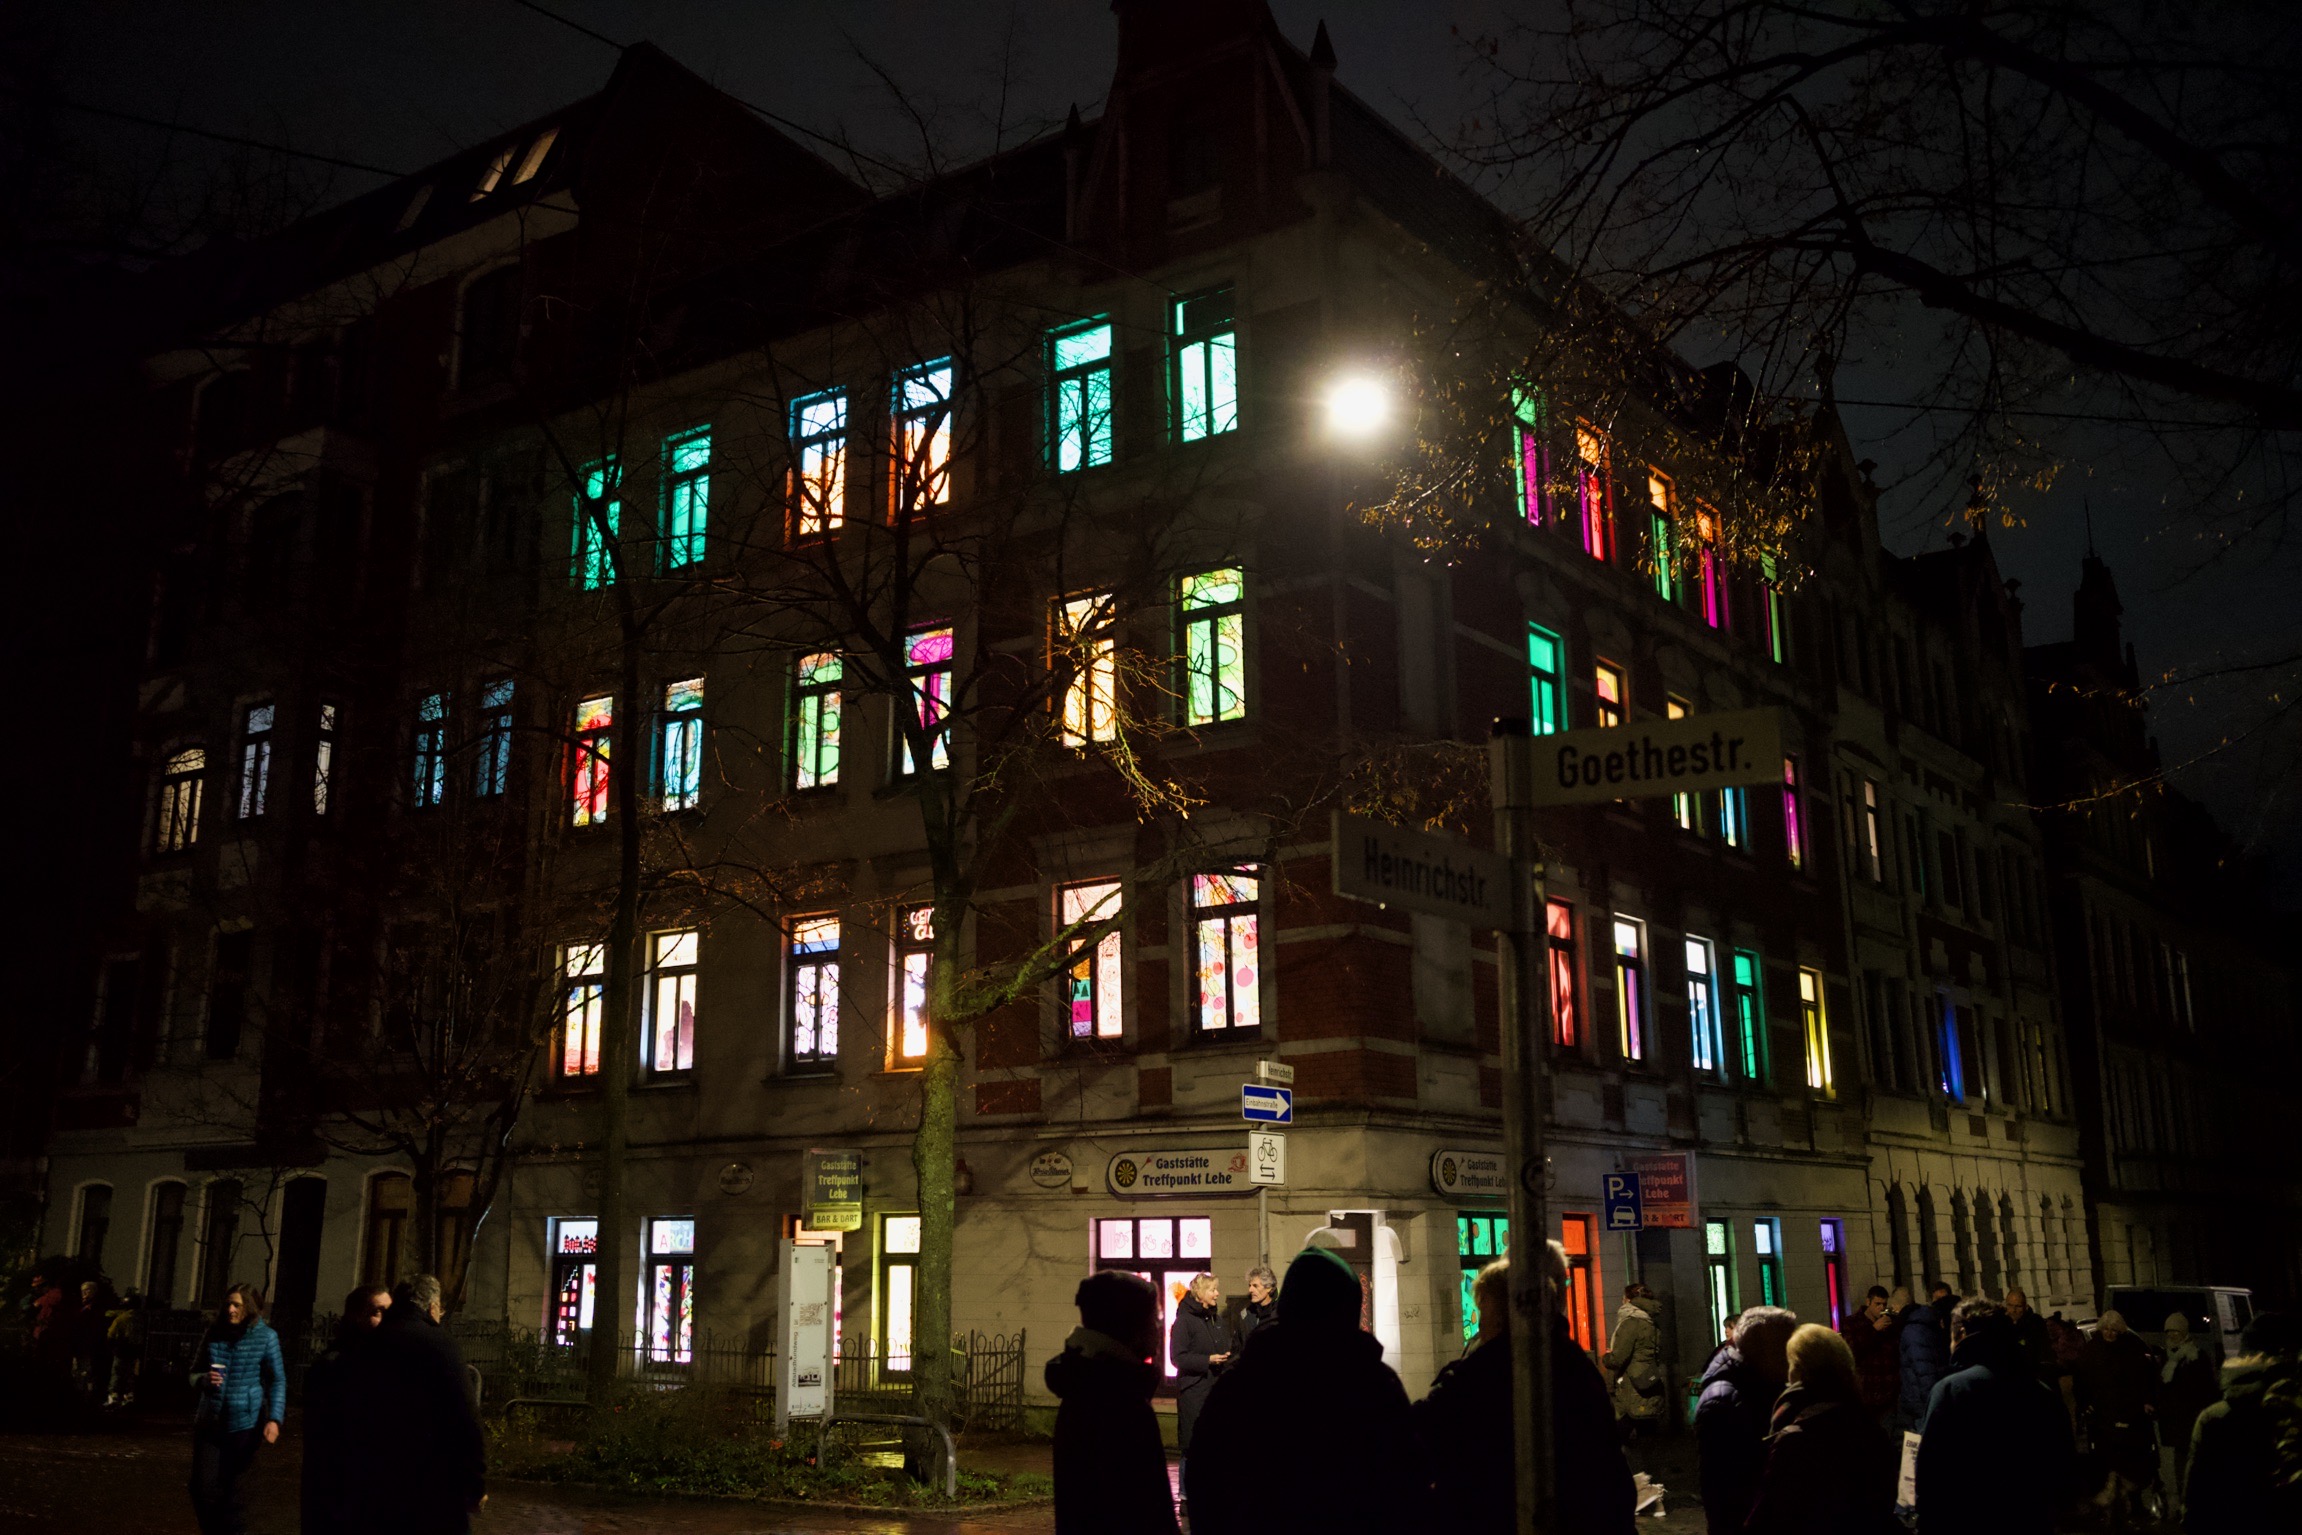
{"type": "Point", "coordinates": [2218, 1314]}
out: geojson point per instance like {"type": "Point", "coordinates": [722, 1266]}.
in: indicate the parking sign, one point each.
{"type": "Point", "coordinates": [1622, 1201]}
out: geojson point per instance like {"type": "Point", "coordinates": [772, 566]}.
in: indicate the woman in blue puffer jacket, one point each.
{"type": "Point", "coordinates": [243, 1395]}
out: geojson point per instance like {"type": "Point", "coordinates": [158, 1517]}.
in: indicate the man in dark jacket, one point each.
{"type": "Point", "coordinates": [1997, 1456]}
{"type": "Point", "coordinates": [332, 1449]}
{"type": "Point", "coordinates": [2117, 1391]}
{"type": "Point", "coordinates": [1110, 1468]}
{"type": "Point", "coordinates": [1309, 1430]}
{"type": "Point", "coordinates": [2031, 1339]}
{"type": "Point", "coordinates": [1873, 1336]}
{"type": "Point", "coordinates": [422, 1459]}
{"type": "Point", "coordinates": [1925, 1349]}
{"type": "Point", "coordinates": [1199, 1345]}
{"type": "Point", "coordinates": [2242, 1476]}
{"type": "Point", "coordinates": [1261, 1305]}
{"type": "Point", "coordinates": [1738, 1396]}
{"type": "Point", "coordinates": [1464, 1427]}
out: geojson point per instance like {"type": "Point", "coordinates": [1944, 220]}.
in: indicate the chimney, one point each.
{"type": "Point", "coordinates": [1322, 92]}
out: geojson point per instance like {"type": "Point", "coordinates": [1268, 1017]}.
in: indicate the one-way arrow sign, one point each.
{"type": "Point", "coordinates": [1262, 1105]}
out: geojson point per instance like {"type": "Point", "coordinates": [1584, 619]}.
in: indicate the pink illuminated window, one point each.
{"type": "Point", "coordinates": [927, 657]}
{"type": "Point", "coordinates": [1093, 987]}
{"type": "Point", "coordinates": [1707, 574]}
{"type": "Point", "coordinates": [584, 1006]}
{"type": "Point", "coordinates": [1224, 939]}
{"type": "Point", "coordinates": [1529, 463]}
{"type": "Point", "coordinates": [1566, 1004]}
{"type": "Point", "coordinates": [1594, 510]}
{"type": "Point", "coordinates": [594, 727]}
{"type": "Point", "coordinates": [1793, 822]}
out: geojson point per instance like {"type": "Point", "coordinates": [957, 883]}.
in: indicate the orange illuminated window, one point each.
{"type": "Point", "coordinates": [1585, 1317]}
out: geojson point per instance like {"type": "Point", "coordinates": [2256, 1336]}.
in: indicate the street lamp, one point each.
{"type": "Point", "coordinates": [1358, 406]}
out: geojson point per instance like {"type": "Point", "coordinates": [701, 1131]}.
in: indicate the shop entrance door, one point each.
{"type": "Point", "coordinates": [1168, 1251]}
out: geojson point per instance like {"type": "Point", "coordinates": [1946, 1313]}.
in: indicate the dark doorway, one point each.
{"type": "Point", "coordinates": [301, 1215]}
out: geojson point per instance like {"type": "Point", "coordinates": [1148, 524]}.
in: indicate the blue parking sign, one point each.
{"type": "Point", "coordinates": [1621, 1191]}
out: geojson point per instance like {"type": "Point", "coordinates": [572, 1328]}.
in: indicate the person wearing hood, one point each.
{"type": "Point", "coordinates": [1925, 1350]}
{"type": "Point", "coordinates": [332, 1446]}
{"type": "Point", "coordinates": [2244, 1475]}
{"type": "Point", "coordinates": [1198, 1345]}
{"type": "Point", "coordinates": [1309, 1430]}
{"type": "Point", "coordinates": [1996, 1458]}
{"type": "Point", "coordinates": [1829, 1469]}
{"type": "Point", "coordinates": [2186, 1387]}
{"type": "Point", "coordinates": [1464, 1426]}
{"type": "Point", "coordinates": [1260, 1306]}
{"type": "Point", "coordinates": [1731, 1416]}
{"type": "Point", "coordinates": [1110, 1468]}
{"type": "Point", "coordinates": [1636, 1357]}
{"type": "Point", "coordinates": [242, 1383]}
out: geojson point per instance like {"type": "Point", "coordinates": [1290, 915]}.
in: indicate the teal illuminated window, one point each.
{"type": "Point", "coordinates": [1546, 681]}
{"type": "Point", "coordinates": [1766, 1246]}
{"type": "Point", "coordinates": [1734, 817]}
{"type": "Point", "coordinates": [1479, 1241]}
{"type": "Point", "coordinates": [1530, 462]}
{"type": "Point", "coordinates": [818, 463]}
{"type": "Point", "coordinates": [1214, 647]}
{"type": "Point", "coordinates": [431, 776]}
{"type": "Point", "coordinates": [492, 774]}
{"type": "Point", "coordinates": [920, 408]}
{"type": "Point", "coordinates": [1718, 1269]}
{"type": "Point", "coordinates": [686, 497]}
{"type": "Point", "coordinates": [681, 748]}
{"type": "Point", "coordinates": [1750, 1015]}
{"type": "Point", "coordinates": [1079, 366]}
{"type": "Point", "coordinates": [598, 519]}
{"type": "Point", "coordinates": [1206, 364]}
{"type": "Point", "coordinates": [815, 722]}
{"type": "Point", "coordinates": [1660, 550]}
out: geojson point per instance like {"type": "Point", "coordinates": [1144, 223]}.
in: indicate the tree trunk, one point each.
{"type": "Point", "coordinates": [933, 1152]}
{"type": "Point", "coordinates": [626, 757]}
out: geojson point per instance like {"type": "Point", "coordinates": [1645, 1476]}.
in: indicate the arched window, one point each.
{"type": "Point", "coordinates": [176, 820]}
{"type": "Point", "coordinates": [1898, 1234]}
{"type": "Point", "coordinates": [1986, 1238]}
{"type": "Point", "coordinates": [95, 1223]}
{"type": "Point", "coordinates": [1929, 1239]}
{"type": "Point", "coordinates": [1962, 1240]}
{"type": "Point", "coordinates": [386, 1258]}
{"type": "Point", "coordinates": [167, 1243]}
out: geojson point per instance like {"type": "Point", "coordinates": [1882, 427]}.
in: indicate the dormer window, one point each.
{"type": "Point", "coordinates": [495, 172]}
{"type": "Point", "coordinates": [533, 160]}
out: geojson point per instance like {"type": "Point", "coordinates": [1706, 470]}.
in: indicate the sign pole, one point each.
{"type": "Point", "coordinates": [1526, 1029]}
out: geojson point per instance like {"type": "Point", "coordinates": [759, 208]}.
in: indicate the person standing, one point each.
{"type": "Point", "coordinates": [242, 1399]}
{"type": "Point", "coordinates": [1110, 1468]}
{"type": "Point", "coordinates": [2244, 1476]}
{"type": "Point", "coordinates": [1635, 1355]}
{"type": "Point", "coordinates": [1261, 1306]}
{"type": "Point", "coordinates": [422, 1462]}
{"type": "Point", "coordinates": [1309, 1431]}
{"type": "Point", "coordinates": [2187, 1386]}
{"type": "Point", "coordinates": [1924, 1350]}
{"type": "Point", "coordinates": [2117, 1387]}
{"type": "Point", "coordinates": [332, 1450]}
{"type": "Point", "coordinates": [1829, 1469]}
{"type": "Point", "coordinates": [1874, 1336]}
{"type": "Point", "coordinates": [1731, 1416]}
{"type": "Point", "coordinates": [2031, 1338]}
{"type": "Point", "coordinates": [1996, 1458]}
{"type": "Point", "coordinates": [1198, 1345]}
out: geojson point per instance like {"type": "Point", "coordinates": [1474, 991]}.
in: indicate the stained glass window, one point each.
{"type": "Point", "coordinates": [598, 524]}
{"type": "Point", "coordinates": [1094, 996]}
{"type": "Point", "coordinates": [1817, 1026]}
{"type": "Point", "coordinates": [1086, 645]}
{"type": "Point", "coordinates": [1686, 809]}
{"type": "Point", "coordinates": [814, 990]}
{"type": "Point", "coordinates": [1661, 536]}
{"type": "Point", "coordinates": [492, 773]}
{"type": "Point", "coordinates": [431, 751]}
{"type": "Point", "coordinates": [1206, 364]}
{"type": "Point", "coordinates": [1612, 691]}
{"type": "Point", "coordinates": [1079, 365]}
{"type": "Point", "coordinates": [1766, 1246]}
{"type": "Point", "coordinates": [1833, 1236]}
{"type": "Point", "coordinates": [1734, 816]}
{"type": "Point", "coordinates": [1586, 1318]}
{"type": "Point", "coordinates": [594, 730]}
{"type": "Point", "coordinates": [927, 663]}
{"type": "Point", "coordinates": [1479, 1241]}
{"type": "Point", "coordinates": [1594, 509]}
{"type": "Point", "coordinates": [1750, 1015]}
{"type": "Point", "coordinates": [255, 760]}
{"type": "Point", "coordinates": [1631, 988]}
{"type": "Point", "coordinates": [177, 824]}
{"type": "Point", "coordinates": [1224, 937]}
{"type": "Point", "coordinates": [1546, 681]}
{"type": "Point", "coordinates": [575, 1280]}
{"type": "Point", "coordinates": [1793, 818]}
{"type": "Point", "coordinates": [324, 760]}
{"type": "Point", "coordinates": [1777, 612]}
{"type": "Point", "coordinates": [680, 752]}
{"type": "Point", "coordinates": [1709, 1051]}
{"type": "Point", "coordinates": [671, 1290]}
{"type": "Point", "coordinates": [686, 497]}
{"type": "Point", "coordinates": [1214, 647]}
{"type": "Point", "coordinates": [815, 721]}
{"type": "Point", "coordinates": [1566, 999]}
{"type": "Point", "coordinates": [915, 973]}
{"type": "Point", "coordinates": [819, 463]}
{"type": "Point", "coordinates": [671, 1001]}
{"type": "Point", "coordinates": [1709, 579]}
{"type": "Point", "coordinates": [1529, 463]}
{"type": "Point", "coordinates": [920, 409]}
{"type": "Point", "coordinates": [583, 1008]}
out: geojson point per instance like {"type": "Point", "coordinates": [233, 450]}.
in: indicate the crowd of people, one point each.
{"type": "Point", "coordinates": [85, 1335]}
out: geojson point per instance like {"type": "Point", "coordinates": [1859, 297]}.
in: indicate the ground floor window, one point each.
{"type": "Point", "coordinates": [575, 1279]}
{"type": "Point", "coordinates": [1718, 1266]}
{"type": "Point", "coordinates": [1168, 1251]}
{"type": "Point", "coordinates": [898, 1271]}
{"type": "Point", "coordinates": [219, 1241]}
{"type": "Point", "coordinates": [670, 1291]}
{"type": "Point", "coordinates": [1579, 1234]}
{"type": "Point", "coordinates": [1479, 1241]}
{"type": "Point", "coordinates": [1834, 1269]}
{"type": "Point", "coordinates": [1766, 1244]}
{"type": "Point", "coordinates": [391, 1204]}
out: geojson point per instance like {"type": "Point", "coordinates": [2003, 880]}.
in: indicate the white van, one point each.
{"type": "Point", "coordinates": [2218, 1314]}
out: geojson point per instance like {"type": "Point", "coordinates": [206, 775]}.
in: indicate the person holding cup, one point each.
{"type": "Point", "coordinates": [242, 1383]}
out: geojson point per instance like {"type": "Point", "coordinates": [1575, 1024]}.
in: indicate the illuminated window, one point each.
{"type": "Point", "coordinates": [324, 760]}
{"type": "Point", "coordinates": [1165, 1251]}
{"type": "Point", "coordinates": [920, 408]}
{"type": "Point", "coordinates": [1777, 612]}
{"type": "Point", "coordinates": [1661, 536]}
{"type": "Point", "coordinates": [686, 497]}
{"type": "Point", "coordinates": [915, 979]}
{"type": "Point", "coordinates": [927, 660]}
{"type": "Point", "coordinates": [1793, 818]}
{"type": "Point", "coordinates": [1206, 364]}
{"type": "Point", "coordinates": [1546, 681]}
{"type": "Point", "coordinates": [495, 172]}
{"type": "Point", "coordinates": [1766, 1246]}
{"type": "Point", "coordinates": [588, 760]}
{"type": "Point", "coordinates": [1088, 647]}
{"type": "Point", "coordinates": [1734, 816]}
{"type": "Point", "coordinates": [671, 1290]}
{"type": "Point", "coordinates": [255, 761]}
{"type": "Point", "coordinates": [1817, 1026]}
{"type": "Point", "coordinates": [1578, 1234]}
{"type": "Point", "coordinates": [815, 721]}
{"type": "Point", "coordinates": [819, 463]}
{"type": "Point", "coordinates": [1224, 943]}
{"type": "Point", "coordinates": [492, 773]}
{"type": "Point", "coordinates": [1710, 583]}
{"type": "Point", "coordinates": [1214, 647]}
{"type": "Point", "coordinates": [1594, 510]}
{"type": "Point", "coordinates": [1566, 996]}
{"type": "Point", "coordinates": [1613, 691]}
{"type": "Point", "coordinates": [583, 1008]}
{"type": "Point", "coordinates": [1079, 366]}
{"type": "Point", "coordinates": [430, 785]}
{"type": "Point", "coordinates": [898, 1269]}
{"type": "Point", "coordinates": [1479, 1241]}
{"type": "Point", "coordinates": [575, 1280]}
{"type": "Point", "coordinates": [671, 1001]}
{"type": "Point", "coordinates": [1750, 1015]}
{"type": "Point", "coordinates": [1833, 1233]}
{"type": "Point", "coordinates": [1718, 1269]}
{"type": "Point", "coordinates": [533, 160]}
{"type": "Point", "coordinates": [1631, 988]}
{"type": "Point", "coordinates": [1529, 461]}
{"type": "Point", "coordinates": [814, 990]}
{"type": "Point", "coordinates": [1686, 809]}
{"type": "Point", "coordinates": [679, 751]}
{"type": "Point", "coordinates": [1703, 1030]}
{"type": "Point", "coordinates": [598, 524]}
{"type": "Point", "coordinates": [1094, 994]}
{"type": "Point", "coordinates": [1874, 863]}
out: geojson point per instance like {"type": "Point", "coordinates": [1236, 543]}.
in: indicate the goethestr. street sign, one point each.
{"type": "Point", "coordinates": [1654, 757]}
{"type": "Point", "coordinates": [1420, 871]}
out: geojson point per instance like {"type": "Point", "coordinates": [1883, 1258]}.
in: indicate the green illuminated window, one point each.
{"type": "Point", "coordinates": [686, 497]}
{"type": "Point", "coordinates": [1777, 613]}
{"type": "Point", "coordinates": [1479, 1241]}
{"type": "Point", "coordinates": [1750, 1015]}
{"type": "Point", "coordinates": [598, 519]}
{"type": "Point", "coordinates": [1766, 1245]}
{"type": "Point", "coordinates": [1659, 536]}
{"type": "Point", "coordinates": [1718, 1267]}
{"type": "Point", "coordinates": [815, 722]}
{"type": "Point", "coordinates": [680, 752]}
{"type": "Point", "coordinates": [1079, 365]}
{"type": "Point", "coordinates": [1529, 462]}
{"type": "Point", "coordinates": [1214, 647]}
{"type": "Point", "coordinates": [1546, 681]}
{"type": "Point", "coordinates": [1206, 364]}
{"type": "Point", "coordinates": [1734, 817]}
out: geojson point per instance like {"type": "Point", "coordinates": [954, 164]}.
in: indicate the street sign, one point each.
{"type": "Point", "coordinates": [1266, 1157]}
{"type": "Point", "coordinates": [1666, 1189]}
{"type": "Point", "coordinates": [1460, 1174]}
{"type": "Point", "coordinates": [1620, 1193]}
{"type": "Point", "coordinates": [1419, 871]}
{"type": "Point", "coordinates": [1273, 1071]}
{"type": "Point", "coordinates": [1653, 757]}
{"type": "Point", "coordinates": [1263, 1105]}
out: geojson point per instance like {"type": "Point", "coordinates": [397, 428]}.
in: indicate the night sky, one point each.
{"type": "Point", "coordinates": [400, 85]}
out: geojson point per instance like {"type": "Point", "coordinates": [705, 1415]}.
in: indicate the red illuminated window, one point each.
{"type": "Point", "coordinates": [1585, 1318]}
{"type": "Point", "coordinates": [1566, 1003]}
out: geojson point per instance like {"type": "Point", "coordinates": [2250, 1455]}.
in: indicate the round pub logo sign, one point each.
{"type": "Point", "coordinates": [1123, 1172]}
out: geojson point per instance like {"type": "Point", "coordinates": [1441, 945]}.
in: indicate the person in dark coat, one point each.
{"type": "Point", "coordinates": [1874, 1336]}
{"type": "Point", "coordinates": [1996, 1458]}
{"type": "Point", "coordinates": [332, 1451]}
{"type": "Point", "coordinates": [1829, 1468]}
{"type": "Point", "coordinates": [2031, 1337]}
{"type": "Point", "coordinates": [1198, 1345]}
{"type": "Point", "coordinates": [2243, 1476]}
{"type": "Point", "coordinates": [1110, 1468]}
{"type": "Point", "coordinates": [1732, 1414]}
{"type": "Point", "coordinates": [423, 1462]}
{"type": "Point", "coordinates": [2187, 1386]}
{"type": "Point", "coordinates": [1924, 1347]}
{"type": "Point", "coordinates": [242, 1400]}
{"type": "Point", "coordinates": [1261, 1305]}
{"type": "Point", "coordinates": [2117, 1390]}
{"type": "Point", "coordinates": [1309, 1430]}
{"type": "Point", "coordinates": [1463, 1428]}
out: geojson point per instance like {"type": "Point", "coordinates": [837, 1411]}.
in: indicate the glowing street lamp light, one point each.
{"type": "Point", "coordinates": [1358, 406]}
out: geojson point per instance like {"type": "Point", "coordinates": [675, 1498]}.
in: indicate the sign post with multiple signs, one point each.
{"type": "Point", "coordinates": [1262, 1104]}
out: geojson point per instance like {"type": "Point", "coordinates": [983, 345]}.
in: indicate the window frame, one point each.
{"type": "Point", "coordinates": [428, 752]}
{"type": "Point", "coordinates": [491, 778]}
{"type": "Point", "coordinates": [1201, 915]}
{"type": "Point", "coordinates": [1746, 972]}
{"type": "Point", "coordinates": [667, 1290]}
{"type": "Point", "coordinates": [1546, 689]}
{"type": "Point", "coordinates": [1662, 535]}
{"type": "Point", "coordinates": [1097, 976]}
{"type": "Point", "coordinates": [1530, 455]}
{"type": "Point", "coordinates": [178, 793]}
{"type": "Point", "coordinates": [1777, 611]}
{"type": "Point", "coordinates": [1711, 597]}
{"type": "Point", "coordinates": [818, 499]}
{"type": "Point", "coordinates": [1686, 809]}
{"type": "Point", "coordinates": [1562, 951]}
{"type": "Point", "coordinates": [255, 759]}
{"type": "Point", "coordinates": [1209, 348]}
{"type": "Point", "coordinates": [907, 414]}
{"type": "Point", "coordinates": [1766, 1252]}
{"type": "Point", "coordinates": [324, 757]}
{"type": "Point", "coordinates": [1602, 707]}
{"type": "Point", "coordinates": [1080, 427]}
{"type": "Point", "coordinates": [817, 712]}
{"type": "Point", "coordinates": [597, 558]}
{"type": "Point", "coordinates": [1722, 1285]}
{"type": "Point", "coordinates": [913, 989]}
{"type": "Point", "coordinates": [685, 493]}
{"type": "Point", "coordinates": [1087, 707]}
{"type": "Point", "coordinates": [1793, 814]}
{"type": "Point", "coordinates": [1594, 492]}
{"type": "Point", "coordinates": [1633, 1010]}
{"type": "Point", "coordinates": [931, 699]}
{"type": "Point", "coordinates": [583, 994]}
{"type": "Point", "coordinates": [1223, 622]}
{"type": "Point", "coordinates": [591, 761]}
{"type": "Point", "coordinates": [669, 970]}
{"type": "Point", "coordinates": [1706, 1031]}
{"type": "Point", "coordinates": [809, 964]}
{"type": "Point", "coordinates": [679, 746]}
{"type": "Point", "coordinates": [1814, 1023]}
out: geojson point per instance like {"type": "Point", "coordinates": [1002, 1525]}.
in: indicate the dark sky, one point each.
{"type": "Point", "coordinates": [402, 84]}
